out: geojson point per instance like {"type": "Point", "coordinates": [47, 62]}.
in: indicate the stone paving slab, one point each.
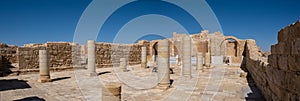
{"type": "Point", "coordinates": [218, 84]}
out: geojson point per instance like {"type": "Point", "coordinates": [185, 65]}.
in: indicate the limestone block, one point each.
{"type": "Point", "coordinates": [283, 62]}
{"type": "Point", "coordinates": [296, 47]}
{"type": "Point", "coordinates": [292, 82]}
{"type": "Point", "coordinates": [294, 62]}
{"type": "Point", "coordinates": [272, 60]}
{"type": "Point", "coordinates": [283, 35]}
{"type": "Point", "coordinates": [282, 48]}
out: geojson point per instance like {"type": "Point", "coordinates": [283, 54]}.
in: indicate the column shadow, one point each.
{"type": "Point", "coordinates": [13, 84]}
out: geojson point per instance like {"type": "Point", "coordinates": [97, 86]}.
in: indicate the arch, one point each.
{"type": "Point", "coordinates": [237, 44]}
{"type": "Point", "coordinates": [153, 51]}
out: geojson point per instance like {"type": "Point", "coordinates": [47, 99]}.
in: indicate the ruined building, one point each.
{"type": "Point", "coordinates": [277, 75]}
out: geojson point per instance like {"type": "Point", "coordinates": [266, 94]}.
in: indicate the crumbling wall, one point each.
{"type": "Point", "coordinates": [60, 54]}
{"type": "Point", "coordinates": [108, 54]}
{"type": "Point", "coordinates": [278, 76]}
{"type": "Point", "coordinates": [9, 53]}
{"type": "Point", "coordinates": [28, 57]}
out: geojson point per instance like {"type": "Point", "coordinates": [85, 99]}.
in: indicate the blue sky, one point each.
{"type": "Point", "coordinates": [39, 21]}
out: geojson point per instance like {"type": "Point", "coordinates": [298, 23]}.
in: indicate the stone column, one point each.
{"type": "Point", "coordinates": [44, 66]}
{"type": "Point", "coordinates": [123, 64]}
{"type": "Point", "coordinates": [91, 57]}
{"type": "Point", "coordinates": [186, 56]}
{"type": "Point", "coordinates": [111, 92]}
{"type": "Point", "coordinates": [199, 61]}
{"type": "Point", "coordinates": [144, 57]}
{"type": "Point", "coordinates": [163, 63]}
{"type": "Point", "coordinates": [207, 59]}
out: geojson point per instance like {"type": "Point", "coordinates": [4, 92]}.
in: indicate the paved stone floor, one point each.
{"type": "Point", "coordinates": [219, 83]}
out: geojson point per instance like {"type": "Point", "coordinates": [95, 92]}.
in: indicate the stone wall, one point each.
{"type": "Point", "coordinates": [9, 53]}
{"type": "Point", "coordinates": [60, 54]}
{"type": "Point", "coordinates": [278, 76]}
{"type": "Point", "coordinates": [108, 54]}
{"type": "Point", "coordinates": [28, 57]}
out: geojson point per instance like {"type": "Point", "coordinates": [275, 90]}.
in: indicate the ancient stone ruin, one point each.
{"type": "Point", "coordinates": [201, 66]}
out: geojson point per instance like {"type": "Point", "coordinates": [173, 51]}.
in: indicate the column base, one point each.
{"type": "Point", "coordinates": [44, 79]}
{"type": "Point", "coordinates": [93, 74]}
{"type": "Point", "coordinates": [164, 86]}
{"type": "Point", "coordinates": [143, 65]}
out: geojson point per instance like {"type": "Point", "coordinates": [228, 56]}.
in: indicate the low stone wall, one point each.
{"type": "Point", "coordinates": [108, 54]}
{"type": "Point", "coordinates": [28, 57]}
{"type": "Point", "coordinates": [9, 53]}
{"type": "Point", "coordinates": [278, 76]}
{"type": "Point", "coordinates": [60, 54]}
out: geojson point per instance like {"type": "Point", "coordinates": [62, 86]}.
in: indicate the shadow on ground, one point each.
{"type": "Point", "coordinates": [5, 69]}
{"type": "Point", "coordinates": [255, 94]}
{"type": "Point", "coordinates": [12, 84]}
{"type": "Point", "coordinates": [32, 98]}
{"type": "Point", "coordinates": [61, 78]}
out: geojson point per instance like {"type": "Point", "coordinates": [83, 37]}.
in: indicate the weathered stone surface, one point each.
{"type": "Point", "coordinates": [163, 63]}
{"type": "Point", "coordinates": [199, 61]}
{"type": "Point", "coordinates": [186, 56]}
{"type": "Point", "coordinates": [280, 79]}
{"type": "Point", "coordinates": [111, 92]}
{"type": "Point", "coordinates": [108, 54]}
{"type": "Point", "coordinates": [8, 53]}
{"type": "Point", "coordinates": [91, 57]}
{"type": "Point", "coordinates": [44, 66]}
{"type": "Point", "coordinates": [144, 57]}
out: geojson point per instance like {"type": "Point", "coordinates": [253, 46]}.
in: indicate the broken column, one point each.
{"type": "Point", "coordinates": [123, 64]}
{"type": "Point", "coordinates": [111, 92]}
{"type": "Point", "coordinates": [186, 56]}
{"type": "Point", "coordinates": [44, 66]}
{"type": "Point", "coordinates": [207, 59]}
{"type": "Point", "coordinates": [144, 57]}
{"type": "Point", "coordinates": [91, 57]}
{"type": "Point", "coordinates": [163, 63]}
{"type": "Point", "coordinates": [199, 61]}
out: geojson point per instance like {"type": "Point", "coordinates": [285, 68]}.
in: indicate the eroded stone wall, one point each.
{"type": "Point", "coordinates": [60, 54]}
{"type": "Point", "coordinates": [8, 53]}
{"type": "Point", "coordinates": [108, 54]}
{"type": "Point", "coordinates": [278, 76]}
{"type": "Point", "coordinates": [28, 57]}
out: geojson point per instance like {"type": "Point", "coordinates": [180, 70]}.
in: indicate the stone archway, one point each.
{"type": "Point", "coordinates": [237, 44]}
{"type": "Point", "coordinates": [152, 52]}
{"type": "Point", "coordinates": [230, 55]}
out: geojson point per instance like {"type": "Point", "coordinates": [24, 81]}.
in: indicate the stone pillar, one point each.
{"type": "Point", "coordinates": [207, 59]}
{"type": "Point", "coordinates": [144, 57]}
{"type": "Point", "coordinates": [200, 61]}
{"type": "Point", "coordinates": [123, 64]}
{"type": "Point", "coordinates": [111, 92]}
{"type": "Point", "coordinates": [163, 63]}
{"type": "Point", "coordinates": [186, 56]}
{"type": "Point", "coordinates": [91, 57]}
{"type": "Point", "coordinates": [44, 66]}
